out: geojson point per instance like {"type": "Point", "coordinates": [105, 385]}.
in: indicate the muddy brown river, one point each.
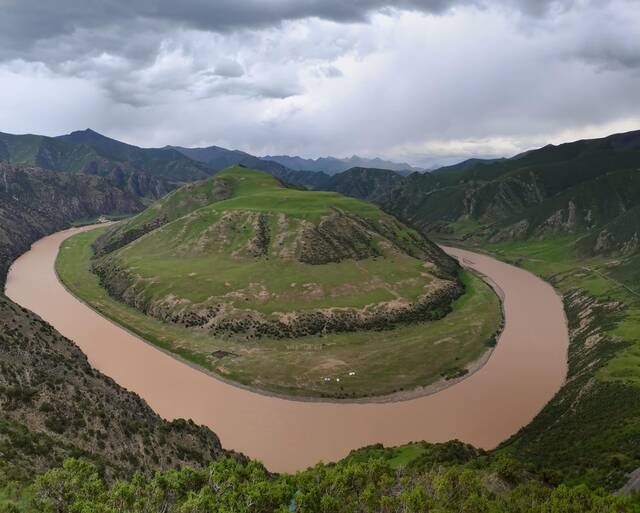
{"type": "Point", "coordinates": [525, 370]}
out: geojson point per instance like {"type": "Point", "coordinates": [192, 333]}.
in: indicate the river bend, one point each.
{"type": "Point", "coordinates": [525, 370]}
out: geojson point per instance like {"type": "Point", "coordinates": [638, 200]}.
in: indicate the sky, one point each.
{"type": "Point", "coordinates": [427, 82]}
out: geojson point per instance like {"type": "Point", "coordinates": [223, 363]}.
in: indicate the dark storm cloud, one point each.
{"type": "Point", "coordinates": [609, 51]}
{"type": "Point", "coordinates": [25, 24]}
{"type": "Point", "coordinates": [229, 68]}
{"type": "Point", "coordinates": [310, 76]}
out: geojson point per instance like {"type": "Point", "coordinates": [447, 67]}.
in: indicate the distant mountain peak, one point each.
{"type": "Point", "coordinates": [334, 165]}
{"type": "Point", "coordinates": [86, 131]}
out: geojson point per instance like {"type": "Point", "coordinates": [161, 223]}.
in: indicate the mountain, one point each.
{"type": "Point", "coordinates": [312, 174]}
{"type": "Point", "coordinates": [53, 405]}
{"type": "Point", "coordinates": [166, 163]}
{"type": "Point", "coordinates": [333, 165]}
{"type": "Point", "coordinates": [316, 180]}
{"type": "Point", "coordinates": [44, 152]}
{"type": "Point", "coordinates": [60, 155]}
{"type": "Point", "coordinates": [588, 187]}
{"type": "Point", "coordinates": [214, 156]}
{"type": "Point", "coordinates": [34, 202]}
{"type": "Point", "coordinates": [364, 183]}
{"type": "Point", "coordinates": [256, 228]}
{"type": "Point", "coordinates": [588, 190]}
{"type": "Point", "coordinates": [464, 165]}
{"type": "Point", "coordinates": [220, 158]}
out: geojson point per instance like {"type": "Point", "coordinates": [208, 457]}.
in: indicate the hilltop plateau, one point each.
{"type": "Point", "coordinates": [239, 263]}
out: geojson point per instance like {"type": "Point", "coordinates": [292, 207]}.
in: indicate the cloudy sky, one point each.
{"type": "Point", "coordinates": [422, 81]}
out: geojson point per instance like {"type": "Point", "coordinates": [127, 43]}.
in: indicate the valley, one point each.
{"type": "Point", "coordinates": [523, 373]}
{"type": "Point", "coordinates": [320, 256]}
{"type": "Point", "coordinates": [602, 303]}
{"type": "Point", "coordinates": [265, 396]}
{"type": "Point", "coordinates": [569, 214]}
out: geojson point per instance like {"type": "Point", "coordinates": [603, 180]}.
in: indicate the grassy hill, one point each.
{"type": "Point", "coordinates": [217, 265]}
{"type": "Point", "coordinates": [221, 271]}
{"type": "Point", "coordinates": [573, 188]}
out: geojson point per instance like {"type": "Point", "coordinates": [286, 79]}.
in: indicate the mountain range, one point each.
{"type": "Point", "coordinates": [585, 186]}
{"type": "Point", "coordinates": [145, 173]}
{"type": "Point", "coordinates": [583, 195]}
{"type": "Point", "coordinates": [333, 165]}
{"type": "Point", "coordinates": [589, 188]}
{"type": "Point", "coordinates": [152, 172]}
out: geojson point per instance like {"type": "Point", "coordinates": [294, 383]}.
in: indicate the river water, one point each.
{"type": "Point", "coordinates": [525, 370]}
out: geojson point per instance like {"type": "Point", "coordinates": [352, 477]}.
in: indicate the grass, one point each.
{"type": "Point", "coordinates": [14, 498]}
{"type": "Point", "coordinates": [555, 259]}
{"type": "Point", "coordinates": [348, 283]}
{"type": "Point", "coordinates": [383, 361]}
{"type": "Point", "coordinates": [589, 432]}
{"type": "Point", "coordinates": [201, 257]}
{"type": "Point", "coordinates": [405, 454]}
{"type": "Point", "coordinates": [258, 191]}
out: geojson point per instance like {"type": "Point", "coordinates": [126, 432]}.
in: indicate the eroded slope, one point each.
{"type": "Point", "coordinates": [240, 255]}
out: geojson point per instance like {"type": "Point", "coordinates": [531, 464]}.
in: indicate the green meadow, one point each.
{"type": "Point", "coordinates": [343, 365]}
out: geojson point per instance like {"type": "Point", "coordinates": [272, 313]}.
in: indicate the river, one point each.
{"type": "Point", "coordinates": [525, 370]}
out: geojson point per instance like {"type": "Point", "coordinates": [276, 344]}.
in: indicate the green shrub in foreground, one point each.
{"type": "Point", "coordinates": [349, 486]}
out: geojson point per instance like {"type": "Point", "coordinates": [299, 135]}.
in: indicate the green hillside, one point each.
{"type": "Point", "coordinates": [45, 152]}
{"type": "Point", "coordinates": [580, 188]}
{"type": "Point", "coordinates": [147, 173]}
{"type": "Point", "coordinates": [574, 188]}
{"type": "Point", "coordinates": [570, 214]}
{"type": "Point", "coordinates": [221, 271]}
{"type": "Point", "coordinates": [166, 163]}
{"type": "Point", "coordinates": [221, 265]}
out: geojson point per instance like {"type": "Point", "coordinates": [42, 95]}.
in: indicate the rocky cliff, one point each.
{"type": "Point", "coordinates": [52, 403]}
{"type": "Point", "coordinates": [35, 202]}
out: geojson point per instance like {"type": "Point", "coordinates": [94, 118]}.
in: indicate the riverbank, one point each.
{"type": "Point", "coordinates": [525, 370]}
{"type": "Point", "coordinates": [421, 391]}
{"type": "Point", "coordinates": [358, 366]}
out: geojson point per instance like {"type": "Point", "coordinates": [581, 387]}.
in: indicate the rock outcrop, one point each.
{"type": "Point", "coordinates": [197, 224]}
{"type": "Point", "coordinates": [53, 404]}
